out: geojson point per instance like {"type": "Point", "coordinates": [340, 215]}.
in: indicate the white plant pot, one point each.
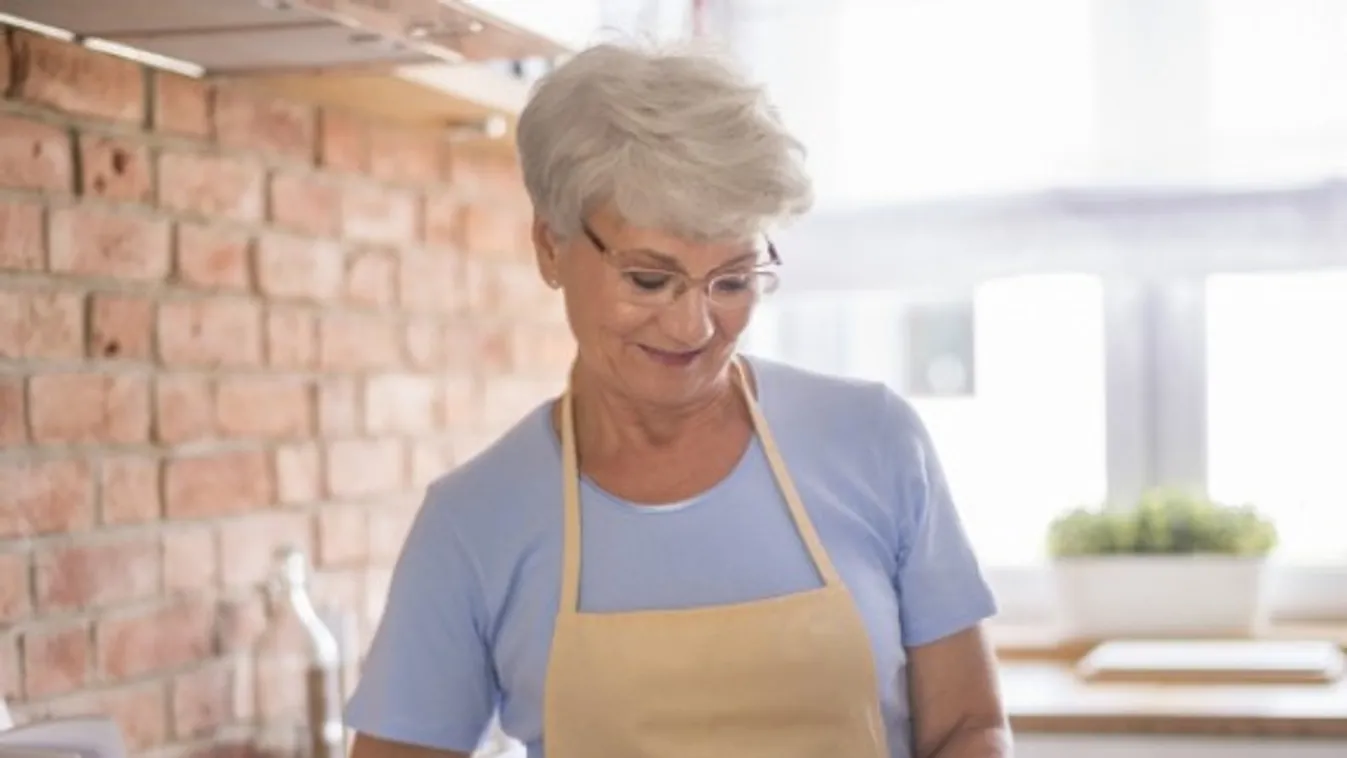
{"type": "Point", "coordinates": [1108, 597]}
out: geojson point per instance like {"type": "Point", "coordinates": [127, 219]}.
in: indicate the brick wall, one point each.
{"type": "Point", "coordinates": [228, 323]}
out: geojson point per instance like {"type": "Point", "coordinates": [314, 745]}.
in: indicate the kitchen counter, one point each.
{"type": "Point", "coordinates": [1045, 696]}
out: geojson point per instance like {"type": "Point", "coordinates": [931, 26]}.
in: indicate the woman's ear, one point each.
{"type": "Point", "coordinates": [546, 248]}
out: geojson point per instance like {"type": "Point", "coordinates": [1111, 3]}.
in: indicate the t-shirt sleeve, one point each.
{"type": "Point", "coordinates": [428, 678]}
{"type": "Point", "coordinates": [940, 584]}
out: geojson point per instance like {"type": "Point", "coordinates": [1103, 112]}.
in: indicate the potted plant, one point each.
{"type": "Point", "coordinates": [1172, 565]}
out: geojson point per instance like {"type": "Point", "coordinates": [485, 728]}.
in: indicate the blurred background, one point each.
{"type": "Point", "coordinates": [1100, 245]}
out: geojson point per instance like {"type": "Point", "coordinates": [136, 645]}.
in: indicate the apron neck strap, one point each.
{"type": "Point", "coordinates": [570, 473]}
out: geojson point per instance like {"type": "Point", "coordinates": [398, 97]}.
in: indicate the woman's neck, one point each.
{"type": "Point", "coordinates": [610, 424]}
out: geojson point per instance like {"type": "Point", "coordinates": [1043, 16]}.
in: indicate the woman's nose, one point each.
{"type": "Point", "coordinates": [687, 319]}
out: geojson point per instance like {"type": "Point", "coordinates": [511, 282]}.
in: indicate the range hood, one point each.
{"type": "Point", "coordinates": [436, 62]}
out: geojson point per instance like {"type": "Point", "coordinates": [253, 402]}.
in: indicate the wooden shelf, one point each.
{"type": "Point", "coordinates": [443, 97]}
{"type": "Point", "coordinates": [422, 62]}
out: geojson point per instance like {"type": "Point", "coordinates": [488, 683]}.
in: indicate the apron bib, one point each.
{"type": "Point", "coordinates": [784, 677]}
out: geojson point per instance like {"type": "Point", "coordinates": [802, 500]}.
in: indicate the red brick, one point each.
{"type": "Point", "coordinates": [120, 326]}
{"type": "Point", "coordinates": [97, 573]}
{"type": "Point", "coordinates": [344, 142]}
{"type": "Point", "coordinates": [388, 527]}
{"type": "Point", "coordinates": [353, 341]}
{"type": "Point", "coordinates": [45, 497]}
{"type": "Point", "coordinates": [490, 349]}
{"type": "Point", "coordinates": [431, 282]}
{"type": "Point", "coordinates": [255, 122]}
{"type": "Point", "coordinates": [21, 243]}
{"type": "Point", "coordinates": [279, 685]}
{"type": "Point", "coordinates": [219, 484]}
{"type": "Point", "coordinates": [41, 325]}
{"type": "Point", "coordinates": [242, 620]}
{"type": "Point", "coordinates": [165, 637]}
{"type": "Point", "coordinates": [13, 413]}
{"type": "Point", "coordinates": [305, 203]}
{"type": "Point", "coordinates": [407, 156]}
{"type": "Point", "coordinates": [203, 700]}
{"type": "Point", "coordinates": [400, 403]}
{"type": "Point", "coordinates": [503, 289]}
{"type": "Point", "coordinates": [542, 349]}
{"type": "Point", "coordinates": [369, 277]}
{"type": "Point", "coordinates": [264, 406]}
{"type": "Point", "coordinates": [89, 407]}
{"type": "Point", "coordinates": [184, 408]}
{"type": "Point", "coordinates": [494, 231]}
{"type": "Point", "coordinates": [429, 459]}
{"type": "Point", "coordinates": [56, 660]}
{"type": "Point", "coordinates": [291, 338]}
{"type": "Point", "coordinates": [77, 80]}
{"type": "Point", "coordinates": [443, 219]}
{"type": "Point", "coordinates": [95, 242]}
{"type": "Point", "coordinates": [487, 349]}
{"type": "Point", "coordinates": [181, 105]}
{"type": "Point", "coordinates": [190, 559]}
{"type": "Point", "coordinates": [14, 586]}
{"type": "Point", "coordinates": [212, 186]}
{"type": "Point", "coordinates": [213, 257]}
{"type": "Point", "coordinates": [213, 332]}
{"type": "Point", "coordinates": [251, 545]}
{"type": "Point", "coordinates": [374, 213]}
{"type": "Point", "coordinates": [140, 712]}
{"type": "Point", "coordinates": [34, 155]}
{"type": "Point", "coordinates": [115, 169]}
{"type": "Point", "coordinates": [341, 589]}
{"type": "Point", "coordinates": [504, 400]}
{"type": "Point", "coordinates": [357, 468]}
{"type": "Point", "coordinates": [298, 474]}
{"type": "Point", "coordinates": [338, 407]}
{"type": "Point", "coordinates": [290, 267]}
{"type": "Point", "coordinates": [129, 490]}
{"type": "Point", "coordinates": [462, 402]}
{"type": "Point", "coordinates": [480, 174]}
{"type": "Point", "coordinates": [343, 537]}
{"type": "Point", "coordinates": [423, 347]}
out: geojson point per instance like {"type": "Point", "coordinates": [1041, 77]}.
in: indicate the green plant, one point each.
{"type": "Point", "coordinates": [1167, 522]}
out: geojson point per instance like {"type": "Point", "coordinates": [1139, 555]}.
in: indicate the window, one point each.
{"type": "Point", "coordinates": [1277, 403]}
{"type": "Point", "coordinates": [1029, 442]}
{"type": "Point", "coordinates": [904, 133]}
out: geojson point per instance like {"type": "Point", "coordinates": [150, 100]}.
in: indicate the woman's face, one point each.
{"type": "Point", "coordinates": [638, 303]}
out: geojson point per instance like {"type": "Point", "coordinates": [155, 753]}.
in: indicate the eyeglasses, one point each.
{"type": "Point", "coordinates": [656, 288]}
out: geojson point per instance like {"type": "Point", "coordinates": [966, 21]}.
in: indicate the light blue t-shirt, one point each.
{"type": "Point", "coordinates": [469, 616]}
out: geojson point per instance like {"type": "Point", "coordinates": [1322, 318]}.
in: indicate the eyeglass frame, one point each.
{"type": "Point", "coordinates": [606, 252]}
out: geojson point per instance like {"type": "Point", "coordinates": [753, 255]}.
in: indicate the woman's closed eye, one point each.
{"type": "Point", "coordinates": [732, 283]}
{"type": "Point", "coordinates": [650, 281]}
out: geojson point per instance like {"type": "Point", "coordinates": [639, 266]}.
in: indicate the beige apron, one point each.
{"type": "Point", "coordinates": [785, 677]}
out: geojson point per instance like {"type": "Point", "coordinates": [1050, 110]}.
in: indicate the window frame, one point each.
{"type": "Point", "coordinates": [1156, 426]}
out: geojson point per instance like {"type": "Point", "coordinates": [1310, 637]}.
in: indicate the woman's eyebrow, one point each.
{"type": "Point", "coordinates": [673, 263]}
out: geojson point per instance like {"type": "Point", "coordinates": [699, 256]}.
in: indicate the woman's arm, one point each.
{"type": "Point", "coordinates": [365, 746]}
{"type": "Point", "coordinates": [957, 711]}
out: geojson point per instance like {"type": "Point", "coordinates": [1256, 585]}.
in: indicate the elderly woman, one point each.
{"type": "Point", "coordinates": [689, 553]}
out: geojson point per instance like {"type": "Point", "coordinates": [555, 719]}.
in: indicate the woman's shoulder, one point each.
{"type": "Point", "coordinates": [811, 395]}
{"type": "Point", "coordinates": [513, 473]}
{"type": "Point", "coordinates": [838, 417]}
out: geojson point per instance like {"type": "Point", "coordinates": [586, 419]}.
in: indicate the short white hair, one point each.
{"type": "Point", "coordinates": [677, 138]}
